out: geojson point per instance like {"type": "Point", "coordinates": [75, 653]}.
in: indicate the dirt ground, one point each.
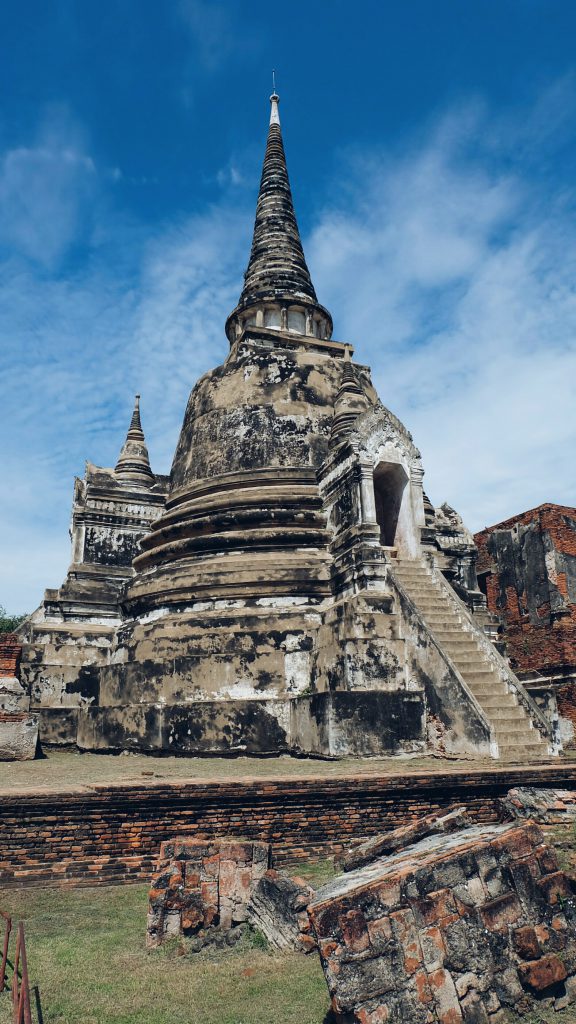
{"type": "Point", "coordinates": [62, 770]}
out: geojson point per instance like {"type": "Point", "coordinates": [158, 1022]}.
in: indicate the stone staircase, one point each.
{"type": "Point", "coordinates": [517, 737]}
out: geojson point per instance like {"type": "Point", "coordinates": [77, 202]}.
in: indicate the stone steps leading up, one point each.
{"type": "Point", "coordinates": [512, 726]}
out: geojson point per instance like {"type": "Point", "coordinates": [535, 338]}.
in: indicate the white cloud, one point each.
{"type": "Point", "coordinates": [210, 27]}
{"type": "Point", "coordinates": [45, 192]}
{"type": "Point", "coordinates": [218, 36]}
{"type": "Point", "coordinates": [453, 273]}
{"type": "Point", "coordinates": [140, 312]}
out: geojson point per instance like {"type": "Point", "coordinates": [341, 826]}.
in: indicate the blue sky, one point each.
{"type": "Point", "coordinates": [431, 148]}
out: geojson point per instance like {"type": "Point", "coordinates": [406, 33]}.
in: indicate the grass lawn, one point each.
{"type": "Point", "coordinates": [87, 955]}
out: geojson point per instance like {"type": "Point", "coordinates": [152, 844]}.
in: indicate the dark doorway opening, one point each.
{"type": "Point", "coordinates": [389, 483]}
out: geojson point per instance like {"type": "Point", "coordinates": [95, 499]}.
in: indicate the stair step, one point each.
{"type": "Point", "coordinates": [464, 657]}
{"type": "Point", "coordinates": [486, 697]}
{"type": "Point", "coordinates": [495, 700]}
{"type": "Point", "coordinates": [415, 577]}
{"type": "Point", "coordinates": [507, 714]}
{"type": "Point", "coordinates": [429, 593]}
{"type": "Point", "coordinates": [515, 730]}
{"type": "Point", "coordinates": [462, 646]}
{"type": "Point", "coordinates": [488, 684]}
{"type": "Point", "coordinates": [437, 618]}
{"type": "Point", "coordinates": [421, 587]}
{"type": "Point", "coordinates": [433, 605]}
{"type": "Point", "coordinates": [483, 675]}
{"type": "Point", "coordinates": [517, 739]}
{"type": "Point", "coordinates": [471, 671]}
{"type": "Point", "coordinates": [472, 660]}
{"type": "Point", "coordinates": [429, 603]}
{"type": "Point", "coordinates": [453, 629]}
{"type": "Point", "coordinates": [421, 581]}
{"type": "Point", "coordinates": [522, 751]}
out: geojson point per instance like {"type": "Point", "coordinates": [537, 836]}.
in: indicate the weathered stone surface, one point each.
{"type": "Point", "coordinates": [361, 722]}
{"type": "Point", "coordinates": [58, 727]}
{"type": "Point", "coordinates": [202, 888]}
{"type": "Point", "coordinates": [528, 572]}
{"type": "Point", "coordinates": [13, 696]}
{"type": "Point", "coordinates": [379, 846]}
{"type": "Point", "coordinates": [417, 936]}
{"type": "Point", "coordinates": [277, 908]}
{"type": "Point", "coordinates": [543, 973]}
{"type": "Point", "coordinates": [18, 728]}
{"type": "Point", "coordinates": [18, 736]}
{"type": "Point", "coordinates": [546, 806]}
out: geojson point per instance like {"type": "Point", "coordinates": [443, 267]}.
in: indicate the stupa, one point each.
{"type": "Point", "coordinates": [289, 588]}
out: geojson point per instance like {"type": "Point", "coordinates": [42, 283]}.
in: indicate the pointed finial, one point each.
{"type": "Point", "coordinates": [274, 100]}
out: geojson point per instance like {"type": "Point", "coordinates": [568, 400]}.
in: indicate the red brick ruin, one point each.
{"type": "Point", "coordinates": [453, 927]}
{"type": "Point", "coordinates": [527, 570]}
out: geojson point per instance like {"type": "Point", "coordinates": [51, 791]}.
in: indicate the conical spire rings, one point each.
{"type": "Point", "coordinates": [133, 464]}
{"type": "Point", "coordinates": [278, 290]}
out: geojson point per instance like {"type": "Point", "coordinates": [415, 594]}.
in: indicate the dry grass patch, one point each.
{"type": "Point", "coordinates": [87, 956]}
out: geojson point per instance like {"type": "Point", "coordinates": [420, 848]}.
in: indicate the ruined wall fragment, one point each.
{"type": "Point", "coordinates": [202, 888]}
{"type": "Point", "coordinates": [451, 928]}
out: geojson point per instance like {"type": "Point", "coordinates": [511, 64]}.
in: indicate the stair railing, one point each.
{"type": "Point", "coordinates": [20, 987]}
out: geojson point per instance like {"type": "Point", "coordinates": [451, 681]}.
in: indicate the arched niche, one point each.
{"type": "Point", "coordinates": [390, 480]}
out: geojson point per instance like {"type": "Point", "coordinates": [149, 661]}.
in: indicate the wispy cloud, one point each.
{"type": "Point", "coordinates": [211, 30]}
{"type": "Point", "coordinates": [45, 192]}
{"type": "Point", "coordinates": [137, 311]}
{"type": "Point", "coordinates": [215, 32]}
{"type": "Point", "coordinates": [452, 269]}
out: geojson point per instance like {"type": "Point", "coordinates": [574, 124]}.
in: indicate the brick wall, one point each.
{"type": "Point", "coordinates": [528, 564]}
{"type": "Point", "coordinates": [566, 701]}
{"type": "Point", "coordinates": [107, 834]}
{"type": "Point", "coordinates": [10, 652]}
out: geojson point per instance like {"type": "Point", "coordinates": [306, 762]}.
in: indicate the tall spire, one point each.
{"type": "Point", "coordinates": [277, 272]}
{"type": "Point", "coordinates": [133, 464]}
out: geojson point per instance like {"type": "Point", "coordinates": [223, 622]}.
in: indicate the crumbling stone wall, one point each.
{"type": "Point", "coordinates": [278, 909]}
{"type": "Point", "coordinates": [528, 568]}
{"type": "Point", "coordinates": [201, 889]}
{"type": "Point", "coordinates": [10, 654]}
{"type": "Point", "coordinates": [452, 928]}
{"type": "Point", "coordinates": [13, 695]}
{"type": "Point", "coordinates": [18, 728]}
{"type": "Point", "coordinates": [206, 891]}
